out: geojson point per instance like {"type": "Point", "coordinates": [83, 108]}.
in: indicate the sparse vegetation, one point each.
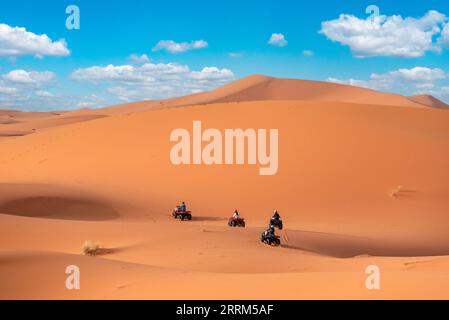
{"type": "Point", "coordinates": [396, 191]}
{"type": "Point", "coordinates": [91, 249]}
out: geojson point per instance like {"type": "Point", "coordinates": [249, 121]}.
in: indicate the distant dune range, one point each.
{"type": "Point", "coordinates": [363, 179]}
{"type": "Point", "coordinates": [253, 88]}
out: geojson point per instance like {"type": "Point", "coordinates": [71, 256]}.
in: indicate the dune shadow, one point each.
{"type": "Point", "coordinates": [341, 246]}
{"type": "Point", "coordinates": [106, 251]}
{"type": "Point", "coordinates": [406, 194]}
{"type": "Point", "coordinates": [63, 208]}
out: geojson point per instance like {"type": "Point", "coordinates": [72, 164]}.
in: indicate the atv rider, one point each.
{"type": "Point", "coordinates": [269, 232]}
{"type": "Point", "coordinates": [236, 215]}
{"type": "Point", "coordinates": [276, 215]}
{"type": "Point", "coordinates": [182, 207]}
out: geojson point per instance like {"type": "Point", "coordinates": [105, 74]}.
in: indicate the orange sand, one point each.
{"type": "Point", "coordinates": [105, 175]}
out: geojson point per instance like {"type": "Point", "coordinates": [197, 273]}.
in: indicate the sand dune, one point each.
{"type": "Point", "coordinates": [22, 125]}
{"type": "Point", "coordinates": [252, 88]}
{"type": "Point", "coordinates": [429, 101]}
{"type": "Point", "coordinates": [146, 261]}
{"type": "Point", "coordinates": [263, 88]}
{"type": "Point", "coordinates": [363, 179]}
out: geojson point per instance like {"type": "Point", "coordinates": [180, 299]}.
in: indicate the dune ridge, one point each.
{"type": "Point", "coordinates": [251, 88]}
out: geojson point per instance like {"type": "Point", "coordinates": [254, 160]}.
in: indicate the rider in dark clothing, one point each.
{"type": "Point", "coordinates": [276, 215]}
{"type": "Point", "coordinates": [182, 207]}
{"type": "Point", "coordinates": [269, 232]}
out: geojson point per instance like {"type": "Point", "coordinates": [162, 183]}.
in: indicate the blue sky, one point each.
{"type": "Point", "coordinates": [204, 44]}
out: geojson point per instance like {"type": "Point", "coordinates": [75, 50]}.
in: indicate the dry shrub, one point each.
{"type": "Point", "coordinates": [91, 249]}
{"type": "Point", "coordinates": [396, 191]}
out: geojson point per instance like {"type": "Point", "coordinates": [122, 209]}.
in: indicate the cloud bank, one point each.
{"type": "Point", "coordinates": [389, 35]}
{"type": "Point", "coordinates": [16, 41]}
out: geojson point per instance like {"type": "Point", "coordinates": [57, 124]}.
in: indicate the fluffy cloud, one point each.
{"type": "Point", "coordinates": [25, 90]}
{"type": "Point", "coordinates": [212, 73]}
{"type": "Point", "coordinates": [86, 104]}
{"type": "Point", "coordinates": [125, 73]}
{"type": "Point", "coordinates": [444, 39]}
{"type": "Point", "coordinates": [278, 40]}
{"type": "Point", "coordinates": [416, 74]}
{"type": "Point", "coordinates": [171, 46]}
{"type": "Point", "coordinates": [417, 80]}
{"type": "Point", "coordinates": [387, 35]}
{"type": "Point", "coordinates": [351, 82]}
{"type": "Point", "coordinates": [136, 59]}
{"type": "Point", "coordinates": [8, 90]}
{"type": "Point", "coordinates": [153, 81]}
{"type": "Point", "coordinates": [23, 77]}
{"type": "Point", "coordinates": [19, 42]}
{"type": "Point", "coordinates": [32, 91]}
{"type": "Point", "coordinates": [308, 53]}
{"type": "Point", "coordinates": [44, 94]}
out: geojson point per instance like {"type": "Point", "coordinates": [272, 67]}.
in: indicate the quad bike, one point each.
{"type": "Point", "coordinates": [236, 222]}
{"type": "Point", "coordinates": [276, 223]}
{"type": "Point", "coordinates": [182, 215]}
{"type": "Point", "coordinates": [270, 239]}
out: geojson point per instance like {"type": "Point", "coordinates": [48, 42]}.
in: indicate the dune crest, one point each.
{"type": "Point", "coordinates": [429, 101]}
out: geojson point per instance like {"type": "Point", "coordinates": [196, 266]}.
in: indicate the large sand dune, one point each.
{"type": "Point", "coordinates": [363, 179]}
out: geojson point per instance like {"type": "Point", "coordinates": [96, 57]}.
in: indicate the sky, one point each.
{"type": "Point", "coordinates": [134, 50]}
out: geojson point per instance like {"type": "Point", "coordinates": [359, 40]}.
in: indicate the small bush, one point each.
{"type": "Point", "coordinates": [396, 191]}
{"type": "Point", "coordinates": [90, 248]}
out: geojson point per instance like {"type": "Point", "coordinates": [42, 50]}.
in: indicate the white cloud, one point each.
{"type": "Point", "coordinates": [153, 81]}
{"type": "Point", "coordinates": [416, 74]}
{"type": "Point", "coordinates": [44, 94]}
{"type": "Point", "coordinates": [24, 90]}
{"type": "Point", "coordinates": [308, 53]}
{"type": "Point", "coordinates": [351, 82]}
{"type": "Point", "coordinates": [171, 46]}
{"type": "Point", "coordinates": [124, 73]}
{"type": "Point", "coordinates": [444, 39]}
{"type": "Point", "coordinates": [417, 80]}
{"type": "Point", "coordinates": [19, 42]}
{"type": "Point", "coordinates": [86, 104]}
{"type": "Point", "coordinates": [8, 90]}
{"type": "Point", "coordinates": [127, 74]}
{"type": "Point", "coordinates": [235, 55]}
{"type": "Point", "coordinates": [29, 78]}
{"type": "Point", "coordinates": [278, 40]}
{"type": "Point", "coordinates": [424, 86]}
{"type": "Point", "coordinates": [387, 35]}
{"type": "Point", "coordinates": [136, 59]}
{"type": "Point", "coordinates": [212, 73]}
{"type": "Point", "coordinates": [164, 70]}
{"type": "Point", "coordinates": [32, 91]}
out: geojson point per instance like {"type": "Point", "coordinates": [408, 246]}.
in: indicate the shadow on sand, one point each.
{"type": "Point", "coordinates": [341, 246]}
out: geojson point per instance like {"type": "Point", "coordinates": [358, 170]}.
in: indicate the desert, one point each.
{"type": "Point", "coordinates": [362, 180]}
